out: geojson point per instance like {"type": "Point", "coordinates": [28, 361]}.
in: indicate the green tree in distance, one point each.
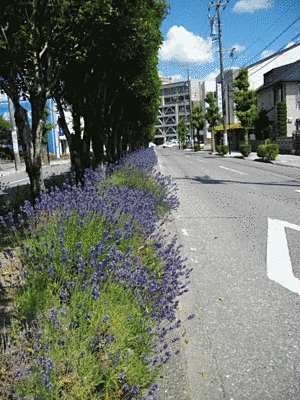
{"type": "Point", "coordinates": [212, 116]}
{"type": "Point", "coordinates": [245, 102]}
{"type": "Point", "coordinates": [182, 131]}
{"type": "Point", "coordinates": [197, 121]}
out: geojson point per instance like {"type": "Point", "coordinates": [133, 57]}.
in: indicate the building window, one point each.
{"type": "Point", "coordinates": [278, 95]}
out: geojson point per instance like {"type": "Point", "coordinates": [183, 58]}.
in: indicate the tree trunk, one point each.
{"type": "Point", "coordinates": [31, 140]}
{"type": "Point", "coordinates": [213, 144]}
{"type": "Point", "coordinates": [246, 139]}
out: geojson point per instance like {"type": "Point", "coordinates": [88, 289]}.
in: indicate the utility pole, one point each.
{"type": "Point", "coordinates": [14, 135]}
{"type": "Point", "coordinates": [218, 5]}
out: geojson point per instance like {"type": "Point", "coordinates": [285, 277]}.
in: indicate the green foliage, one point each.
{"type": "Point", "coordinates": [281, 118]}
{"type": "Point", "coordinates": [197, 147]}
{"type": "Point", "coordinates": [222, 149]}
{"type": "Point", "coordinates": [268, 151]}
{"type": "Point", "coordinates": [4, 130]}
{"type": "Point", "coordinates": [245, 101]}
{"type": "Point", "coordinates": [197, 120]}
{"type": "Point", "coordinates": [245, 149]}
{"type": "Point", "coordinates": [212, 116]}
{"type": "Point", "coordinates": [262, 151]}
{"type": "Point", "coordinates": [268, 141]}
{"type": "Point", "coordinates": [182, 132]}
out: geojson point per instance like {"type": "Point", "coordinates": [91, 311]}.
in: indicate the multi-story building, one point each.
{"type": "Point", "coordinates": [281, 84]}
{"type": "Point", "coordinates": [177, 101]}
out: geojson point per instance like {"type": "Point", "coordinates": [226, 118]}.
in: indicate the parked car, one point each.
{"type": "Point", "coordinates": [151, 144]}
{"type": "Point", "coordinates": [171, 144]}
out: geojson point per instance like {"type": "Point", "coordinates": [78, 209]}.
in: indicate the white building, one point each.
{"type": "Point", "coordinates": [177, 101]}
{"type": "Point", "coordinates": [282, 84]}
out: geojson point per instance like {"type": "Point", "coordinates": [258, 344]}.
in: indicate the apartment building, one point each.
{"type": "Point", "coordinates": [177, 101]}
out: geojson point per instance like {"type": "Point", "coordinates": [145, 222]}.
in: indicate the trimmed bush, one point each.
{"type": "Point", "coordinates": [262, 151]}
{"type": "Point", "coordinates": [268, 151]}
{"type": "Point", "coordinates": [222, 149]}
{"type": "Point", "coordinates": [197, 147]}
{"type": "Point", "coordinates": [245, 149]}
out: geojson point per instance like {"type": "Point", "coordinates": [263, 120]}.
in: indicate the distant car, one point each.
{"type": "Point", "coordinates": [151, 144]}
{"type": "Point", "coordinates": [170, 144]}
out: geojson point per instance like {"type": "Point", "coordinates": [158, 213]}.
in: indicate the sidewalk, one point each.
{"type": "Point", "coordinates": [282, 159]}
{"type": "Point", "coordinates": [7, 168]}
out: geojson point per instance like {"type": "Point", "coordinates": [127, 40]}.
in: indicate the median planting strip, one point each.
{"type": "Point", "coordinates": [100, 286]}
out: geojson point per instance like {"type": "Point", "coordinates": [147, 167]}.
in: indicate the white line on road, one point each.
{"type": "Point", "coordinates": [198, 159]}
{"type": "Point", "coordinates": [184, 232]}
{"type": "Point", "coordinates": [234, 170]}
{"type": "Point", "coordinates": [20, 180]}
{"type": "Point", "coordinates": [279, 266]}
{"type": "Point", "coordinates": [298, 191]}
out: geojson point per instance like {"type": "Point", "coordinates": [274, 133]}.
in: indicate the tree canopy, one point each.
{"type": "Point", "coordinates": [212, 116]}
{"type": "Point", "coordinates": [245, 101]}
{"type": "Point", "coordinates": [98, 59]}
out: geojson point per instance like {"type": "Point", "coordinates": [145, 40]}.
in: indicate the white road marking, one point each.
{"type": "Point", "coordinates": [298, 191]}
{"type": "Point", "coordinates": [184, 232]}
{"type": "Point", "coordinates": [234, 170]}
{"type": "Point", "coordinates": [20, 180]}
{"type": "Point", "coordinates": [279, 266]}
{"type": "Point", "coordinates": [198, 159]}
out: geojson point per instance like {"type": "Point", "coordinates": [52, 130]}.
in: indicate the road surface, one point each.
{"type": "Point", "coordinates": [239, 223]}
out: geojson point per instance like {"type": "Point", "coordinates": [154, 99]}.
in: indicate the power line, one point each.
{"type": "Point", "coordinates": [277, 37]}
{"type": "Point", "coordinates": [276, 56]}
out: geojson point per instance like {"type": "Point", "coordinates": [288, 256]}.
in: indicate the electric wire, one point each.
{"type": "Point", "coordinates": [274, 40]}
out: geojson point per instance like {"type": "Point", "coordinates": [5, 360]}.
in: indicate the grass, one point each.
{"type": "Point", "coordinates": [82, 326]}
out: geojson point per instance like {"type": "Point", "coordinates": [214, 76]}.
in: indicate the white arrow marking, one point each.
{"type": "Point", "coordinates": [184, 232]}
{"type": "Point", "coordinates": [279, 266]}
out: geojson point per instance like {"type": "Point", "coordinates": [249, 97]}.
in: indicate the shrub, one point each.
{"type": "Point", "coordinates": [268, 141]}
{"type": "Point", "coordinates": [65, 156]}
{"type": "Point", "coordinates": [197, 147]}
{"type": "Point", "coordinates": [222, 149]}
{"type": "Point", "coordinates": [184, 146]}
{"type": "Point", "coordinates": [273, 151]}
{"type": "Point", "coordinates": [268, 151]}
{"type": "Point", "coordinates": [262, 151]}
{"type": "Point", "coordinates": [245, 149]}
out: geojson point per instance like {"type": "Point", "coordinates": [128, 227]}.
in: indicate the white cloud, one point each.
{"type": "Point", "coordinates": [212, 75]}
{"type": "Point", "coordinates": [238, 48]}
{"type": "Point", "coordinates": [183, 47]}
{"type": "Point", "coordinates": [250, 6]}
{"type": "Point", "coordinates": [266, 54]}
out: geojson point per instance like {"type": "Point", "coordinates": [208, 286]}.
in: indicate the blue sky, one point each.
{"type": "Point", "coordinates": [256, 28]}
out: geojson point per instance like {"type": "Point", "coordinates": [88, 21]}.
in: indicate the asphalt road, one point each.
{"type": "Point", "coordinates": [239, 223]}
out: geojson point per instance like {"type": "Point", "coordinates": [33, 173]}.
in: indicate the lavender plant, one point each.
{"type": "Point", "coordinates": [101, 286]}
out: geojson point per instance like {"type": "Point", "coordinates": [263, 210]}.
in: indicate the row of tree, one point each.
{"type": "Point", "coordinates": [97, 59]}
{"type": "Point", "coordinates": [245, 109]}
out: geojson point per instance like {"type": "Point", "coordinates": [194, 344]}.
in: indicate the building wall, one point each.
{"type": "Point", "coordinates": [256, 71]}
{"type": "Point", "coordinates": [291, 94]}
{"type": "Point", "coordinates": [177, 99]}
{"type": "Point", "coordinates": [293, 105]}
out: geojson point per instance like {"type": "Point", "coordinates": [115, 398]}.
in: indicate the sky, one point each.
{"type": "Point", "coordinates": [255, 28]}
